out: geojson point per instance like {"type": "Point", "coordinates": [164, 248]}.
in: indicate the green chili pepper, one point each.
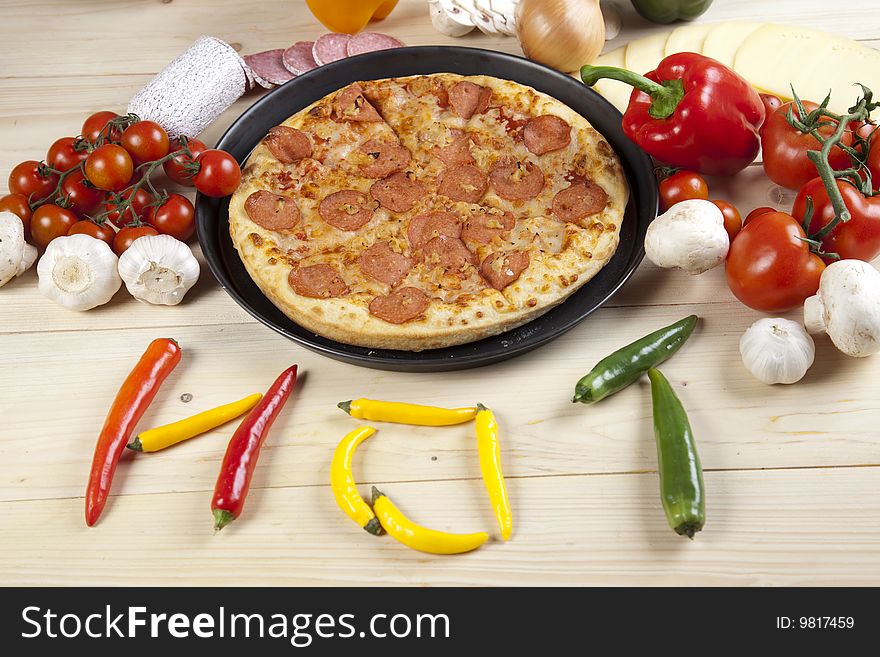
{"type": "Point", "coordinates": [669, 11]}
{"type": "Point", "coordinates": [615, 372]}
{"type": "Point", "coordinates": [681, 476]}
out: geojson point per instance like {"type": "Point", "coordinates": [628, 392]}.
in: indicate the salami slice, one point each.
{"type": "Point", "coordinates": [298, 59]}
{"type": "Point", "coordinates": [402, 305]}
{"type": "Point", "coordinates": [371, 42]}
{"type": "Point", "coordinates": [468, 98]}
{"type": "Point", "coordinates": [457, 152]}
{"type": "Point", "coordinates": [330, 48]}
{"type": "Point", "coordinates": [425, 227]}
{"type": "Point", "coordinates": [271, 211]}
{"type": "Point", "coordinates": [502, 269]}
{"type": "Point", "coordinates": [463, 182]}
{"type": "Point", "coordinates": [384, 264]}
{"type": "Point", "coordinates": [579, 201]}
{"type": "Point", "coordinates": [546, 133]}
{"type": "Point", "coordinates": [399, 192]}
{"type": "Point", "coordinates": [484, 225]}
{"type": "Point", "coordinates": [288, 145]}
{"type": "Point", "coordinates": [268, 68]}
{"type": "Point", "coordinates": [384, 158]}
{"type": "Point", "coordinates": [347, 209]}
{"type": "Point", "coordinates": [516, 181]}
{"type": "Point", "coordinates": [351, 105]}
{"type": "Point", "coordinates": [317, 281]}
{"type": "Point", "coordinates": [450, 253]}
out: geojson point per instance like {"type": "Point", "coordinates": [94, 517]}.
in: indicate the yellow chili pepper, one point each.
{"type": "Point", "coordinates": [426, 416]}
{"type": "Point", "coordinates": [152, 440]}
{"type": "Point", "coordinates": [490, 467]}
{"type": "Point", "coordinates": [421, 538]}
{"type": "Point", "coordinates": [342, 481]}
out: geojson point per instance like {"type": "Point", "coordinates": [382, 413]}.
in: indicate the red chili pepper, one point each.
{"type": "Point", "coordinates": [131, 401]}
{"type": "Point", "coordinates": [244, 450]}
{"type": "Point", "coordinates": [691, 112]}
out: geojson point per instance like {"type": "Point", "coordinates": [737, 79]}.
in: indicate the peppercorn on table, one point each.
{"type": "Point", "coordinates": [792, 473]}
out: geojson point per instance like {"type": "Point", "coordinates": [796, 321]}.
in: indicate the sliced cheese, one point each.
{"type": "Point", "coordinates": [775, 57]}
{"type": "Point", "coordinates": [687, 38]}
{"type": "Point", "coordinates": [724, 39]}
{"type": "Point", "coordinates": [617, 93]}
{"type": "Point", "coordinates": [642, 56]}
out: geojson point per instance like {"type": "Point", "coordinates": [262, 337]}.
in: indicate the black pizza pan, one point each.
{"type": "Point", "coordinates": [245, 133]}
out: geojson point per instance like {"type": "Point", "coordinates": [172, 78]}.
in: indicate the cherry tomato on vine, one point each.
{"type": "Point", "coordinates": [137, 212]}
{"type": "Point", "coordinates": [83, 198]}
{"type": "Point", "coordinates": [757, 212]}
{"type": "Point", "coordinates": [769, 268]}
{"type": "Point", "coordinates": [873, 162]}
{"type": "Point", "coordinates": [732, 219]}
{"type": "Point", "coordinates": [17, 204]}
{"type": "Point", "coordinates": [682, 186]}
{"type": "Point", "coordinates": [109, 167]}
{"type": "Point", "coordinates": [175, 217]}
{"type": "Point", "coordinates": [93, 126]}
{"type": "Point", "coordinates": [126, 236]}
{"type": "Point", "coordinates": [145, 141]}
{"type": "Point", "coordinates": [103, 232]}
{"type": "Point", "coordinates": [771, 104]}
{"type": "Point", "coordinates": [50, 221]}
{"type": "Point", "coordinates": [218, 175]}
{"type": "Point", "coordinates": [63, 156]}
{"type": "Point", "coordinates": [25, 179]}
{"type": "Point", "coordinates": [177, 167]}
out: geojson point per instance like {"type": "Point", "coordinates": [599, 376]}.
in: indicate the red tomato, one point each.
{"type": "Point", "coordinates": [771, 104]}
{"type": "Point", "coordinates": [145, 141]}
{"type": "Point", "coordinates": [873, 162]}
{"type": "Point", "coordinates": [63, 156]}
{"type": "Point", "coordinates": [136, 213]}
{"type": "Point", "coordinates": [50, 221]}
{"type": "Point", "coordinates": [18, 204]}
{"type": "Point", "coordinates": [785, 149]}
{"type": "Point", "coordinates": [103, 232]}
{"type": "Point", "coordinates": [732, 218]}
{"type": "Point", "coordinates": [757, 212]}
{"type": "Point", "coordinates": [769, 268]}
{"type": "Point", "coordinates": [858, 238]}
{"type": "Point", "coordinates": [175, 217]}
{"type": "Point", "coordinates": [682, 186]}
{"type": "Point", "coordinates": [109, 167]}
{"type": "Point", "coordinates": [218, 175]}
{"type": "Point", "coordinates": [25, 179]}
{"type": "Point", "coordinates": [126, 236]}
{"type": "Point", "coordinates": [96, 123]}
{"type": "Point", "coordinates": [177, 167]}
{"type": "Point", "coordinates": [83, 198]}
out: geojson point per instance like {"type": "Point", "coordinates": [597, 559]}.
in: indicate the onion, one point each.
{"type": "Point", "coordinates": [563, 34]}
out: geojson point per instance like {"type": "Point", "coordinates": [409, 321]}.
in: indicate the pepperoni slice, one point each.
{"type": "Point", "coordinates": [317, 281]}
{"type": "Point", "coordinates": [482, 226]}
{"type": "Point", "coordinates": [385, 158]}
{"type": "Point", "coordinates": [288, 144]}
{"type": "Point", "coordinates": [457, 152]}
{"type": "Point", "coordinates": [450, 253]}
{"type": "Point", "coordinates": [546, 133]}
{"type": "Point", "coordinates": [399, 192]}
{"type": "Point", "coordinates": [271, 211]}
{"type": "Point", "coordinates": [425, 227]}
{"type": "Point", "coordinates": [502, 269]}
{"type": "Point", "coordinates": [468, 98]}
{"type": "Point", "coordinates": [424, 85]}
{"type": "Point", "coordinates": [516, 181]}
{"type": "Point", "coordinates": [383, 263]}
{"type": "Point", "coordinates": [463, 182]}
{"type": "Point", "coordinates": [346, 210]}
{"type": "Point", "coordinates": [350, 105]}
{"type": "Point", "coordinates": [400, 306]}
{"type": "Point", "coordinates": [578, 201]}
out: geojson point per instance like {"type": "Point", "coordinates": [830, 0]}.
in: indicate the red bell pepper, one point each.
{"type": "Point", "coordinates": [691, 112]}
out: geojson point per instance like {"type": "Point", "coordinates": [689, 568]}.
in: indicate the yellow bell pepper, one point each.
{"type": "Point", "coordinates": [350, 15]}
{"type": "Point", "coordinates": [426, 416]}
{"type": "Point", "coordinates": [343, 485]}
{"type": "Point", "coordinates": [152, 440]}
{"type": "Point", "coordinates": [421, 538]}
{"type": "Point", "coordinates": [490, 467]}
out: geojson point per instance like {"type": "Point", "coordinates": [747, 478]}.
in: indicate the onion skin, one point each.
{"type": "Point", "coordinates": [563, 34]}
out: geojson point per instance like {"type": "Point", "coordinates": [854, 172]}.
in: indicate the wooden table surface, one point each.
{"type": "Point", "coordinates": [792, 472]}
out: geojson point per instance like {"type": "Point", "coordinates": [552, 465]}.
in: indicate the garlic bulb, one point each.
{"type": "Point", "coordinates": [78, 272]}
{"type": "Point", "coordinates": [16, 255]}
{"type": "Point", "coordinates": [158, 269]}
{"type": "Point", "coordinates": [777, 350]}
{"type": "Point", "coordinates": [564, 34]}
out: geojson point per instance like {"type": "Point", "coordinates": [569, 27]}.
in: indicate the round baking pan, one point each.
{"type": "Point", "coordinates": [245, 133]}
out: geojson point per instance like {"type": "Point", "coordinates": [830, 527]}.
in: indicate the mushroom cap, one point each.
{"type": "Point", "coordinates": [11, 246]}
{"type": "Point", "coordinates": [689, 236]}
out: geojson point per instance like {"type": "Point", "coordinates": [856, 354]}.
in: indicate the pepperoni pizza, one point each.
{"type": "Point", "coordinates": [423, 212]}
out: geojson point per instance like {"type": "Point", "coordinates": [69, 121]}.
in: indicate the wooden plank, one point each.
{"type": "Point", "coordinates": [802, 527]}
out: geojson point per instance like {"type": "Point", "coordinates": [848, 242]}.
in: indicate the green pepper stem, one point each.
{"type": "Point", "coordinates": [665, 96]}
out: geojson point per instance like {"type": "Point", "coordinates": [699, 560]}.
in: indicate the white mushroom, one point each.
{"type": "Point", "coordinates": [847, 307]}
{"type": "Point", "coordinates": [78, 272]}
{"type": "Point", "coordinates": [158, 269]}
{"type": "Point", "coordinates": [777, 350]}
{"type": "Point", "coordinates": [16, 255]}
{"type": "Point", "coordinates": [689, 236]}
